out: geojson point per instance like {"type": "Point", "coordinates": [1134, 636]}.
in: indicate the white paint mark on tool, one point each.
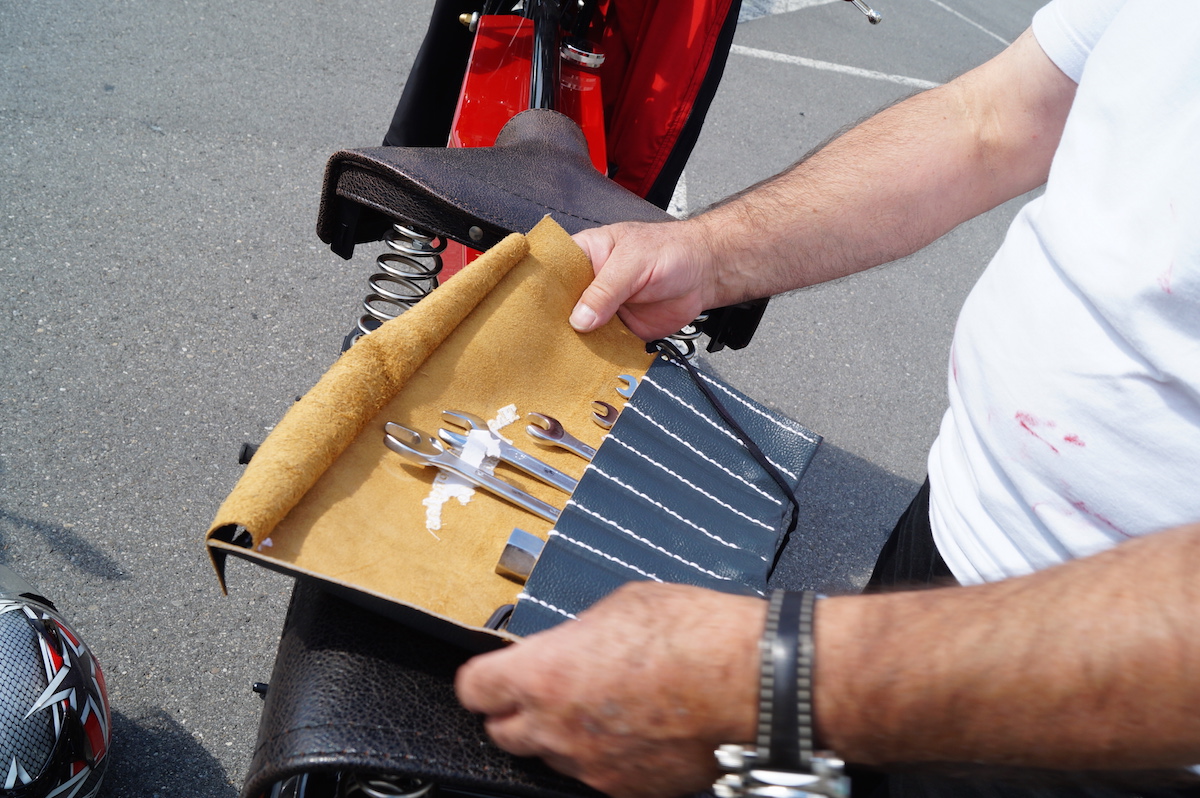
{"type": "Point", "coordinates": [447, 486]}
{"type": "Point", "coordinates": [827, 66]}
{"type": "Point", "coordinates": [504, 416]}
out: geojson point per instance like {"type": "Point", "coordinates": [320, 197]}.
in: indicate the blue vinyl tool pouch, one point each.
{"type": "Point", "coordinates": [676, 493]}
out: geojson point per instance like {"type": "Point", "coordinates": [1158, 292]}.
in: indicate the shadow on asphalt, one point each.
{"type": "Point", "coordinates": [847, 509]}
{"type": "Point", "coordinates": [154, 756]}
{"type": "Point", "coordinates": [64, 540]}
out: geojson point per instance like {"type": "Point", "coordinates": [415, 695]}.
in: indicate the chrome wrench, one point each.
{"type": "Point", "coordinates": [548, 474]}
{"type": "Point", "coordinates": [508, 453]}
{"type": "Point", "coordinates": [548, 430]}
{"type": "Point", "coordinates": [604, 414]}
{"type": "Point", "coordinates": [423, 449]}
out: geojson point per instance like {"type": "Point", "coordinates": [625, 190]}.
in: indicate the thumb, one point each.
{"type": "Point", "coordinates": [483, 684]}
{"type": "Point", "coordinates": [611, 285]}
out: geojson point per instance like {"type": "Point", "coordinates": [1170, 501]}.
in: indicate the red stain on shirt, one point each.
{"type": "Point", "coordinates": [1083, 508]}
{"type": "Point", "coordinates": [1028, 422]}
{"type": "Point", "coordinates": [1164, 279]}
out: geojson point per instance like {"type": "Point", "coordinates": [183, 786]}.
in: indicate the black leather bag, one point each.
{"type": "Point", "coordinates": [354, 692]}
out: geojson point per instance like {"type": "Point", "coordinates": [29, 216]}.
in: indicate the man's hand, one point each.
{"type": "Point", "coordinates": [660, 276]}
{"type": "Point", "coordinates": [633, 697]}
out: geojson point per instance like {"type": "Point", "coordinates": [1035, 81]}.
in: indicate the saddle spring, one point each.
{"type": "Point", "coordinates": [408, 272]}
{"type": "Point", "coordinates": [385, 786]}
{"type": "Point", "coordinates": [405, 274]}
{"type": "Point", "coordinates": [685, 339]}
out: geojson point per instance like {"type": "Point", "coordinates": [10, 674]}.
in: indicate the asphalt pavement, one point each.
{"type": "Point", "coordinates": [165, 299]}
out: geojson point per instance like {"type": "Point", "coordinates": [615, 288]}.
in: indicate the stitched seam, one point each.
{"type": "Point", "coordinates": [641, 539]}
{"type": "Point", "coordinates": [669, 511]}
{"type": "Point", "coordinates": [547, 605]}
{"type": "Point", "coordinates": [712, 423]}
{"type": "Point", "coordinates": [704, 456]}
{"type": "Point", "coordinates": [605, 555]}
{"type": "Point", "coordinates": [725, 389]}
{"type": "Point", "coordinates": [693, 486]}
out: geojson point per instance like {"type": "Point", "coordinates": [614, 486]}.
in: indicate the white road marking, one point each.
{"type": "Point", "coordinates": [831, 67]}
{"type": "Point", "coordinates": [971, 22]}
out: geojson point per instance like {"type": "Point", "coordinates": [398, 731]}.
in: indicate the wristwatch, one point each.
{"type": "Point", "coordinates": [783, 762]}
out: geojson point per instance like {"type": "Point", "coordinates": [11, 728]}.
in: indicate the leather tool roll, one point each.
{"type": "Point", "coordinates": [324, 498]}
{"type": "Point", "coordinates": [672, 495]}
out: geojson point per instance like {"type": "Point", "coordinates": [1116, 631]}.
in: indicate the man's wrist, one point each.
{"type": "Point", "coordinates": [784, 760]}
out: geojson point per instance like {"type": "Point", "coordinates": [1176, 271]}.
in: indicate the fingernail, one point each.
{"type": "Point", "coordinates": [583, 318]}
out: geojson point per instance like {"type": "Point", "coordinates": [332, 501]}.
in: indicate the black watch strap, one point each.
{"type": "Point", "coordinates": [783, 762]}
{"type": "Point", "coordinates": [785, 715]}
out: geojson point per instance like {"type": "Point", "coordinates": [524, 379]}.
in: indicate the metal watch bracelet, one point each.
{"type": "Point", "coordinates": [783, 762]}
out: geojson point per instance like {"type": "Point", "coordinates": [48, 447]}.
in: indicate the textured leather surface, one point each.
{"type": "Point", "coordinates": [353, 691]}
{"type": "Point", "coordinates": [538, 166]}
{"type": "Point", "coordinates": [672, 495]}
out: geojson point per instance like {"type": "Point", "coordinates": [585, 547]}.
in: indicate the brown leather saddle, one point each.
{"type": "Point", "coordinates": [538, 166]}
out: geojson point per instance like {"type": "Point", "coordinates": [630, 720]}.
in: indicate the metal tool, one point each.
{"type": "Point", "coordinates": [518, 459]}
{"type": "Point", "coordinates": [604, 414]}
{"type": "Point", "coordinates": [520, 554]}
{"type": "Point", "coordinates": [871, 14]}
{"type": "Point", "coordinates": [631, 384]}
{"type": "Point", "coordinates": [423, 449]}
{"type": "Point", "coordinates": [549, 430]}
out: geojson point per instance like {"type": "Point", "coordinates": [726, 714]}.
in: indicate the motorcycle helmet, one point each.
{"type": "Point", "coordinates": [54, 718]}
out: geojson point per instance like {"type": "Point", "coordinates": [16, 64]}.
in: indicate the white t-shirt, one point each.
{"type": "Point", "coordinates": [1074, 419]}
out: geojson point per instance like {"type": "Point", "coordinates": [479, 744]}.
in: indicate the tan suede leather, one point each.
{"type": "Point", "coordinates": [324, 496]}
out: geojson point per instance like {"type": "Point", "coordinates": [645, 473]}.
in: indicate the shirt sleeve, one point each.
{"type": "Point", "coordinates": [1067, 30]}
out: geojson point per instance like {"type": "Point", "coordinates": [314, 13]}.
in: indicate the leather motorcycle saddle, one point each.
{"type": "Point", "coordinates": [538, 167]}
{"type": "Point", "coordinates": [476, 196]}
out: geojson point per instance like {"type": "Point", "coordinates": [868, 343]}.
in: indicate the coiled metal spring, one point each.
{"type": "Point", "coordinates": [685, 339]}
{"type": "Point", "coordinates": [404, 275]}
{"type": "Point", "coordinates": [386, 787]}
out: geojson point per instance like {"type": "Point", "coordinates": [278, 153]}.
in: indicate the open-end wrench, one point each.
{"type": "Point", "coordinates": [604, 414]}
{"type": "Point", "coordinates": [423, 449]}
{"type": "Point", "coordinates": [546, 473]}
{"type": "Point", "coordinates": [548, 430]}
{"type": "Point", "coordinates": [507, 452]}
{"type": "Point", "coordinates": [631, 384]}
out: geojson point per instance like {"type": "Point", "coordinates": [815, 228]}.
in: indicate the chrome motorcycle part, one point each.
{"type": "Point", "coordinates": [405, 275]}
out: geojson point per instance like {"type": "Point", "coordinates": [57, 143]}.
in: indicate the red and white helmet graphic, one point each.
{"type": "Point", "coordinates": [54, 717]}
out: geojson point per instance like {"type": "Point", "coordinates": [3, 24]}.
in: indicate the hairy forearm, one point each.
{"type": "Point", "coordinates": [1089, 665]}
{"type": "Point", "coordinates": [896, 182]}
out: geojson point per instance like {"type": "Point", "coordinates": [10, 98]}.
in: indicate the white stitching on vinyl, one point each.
{"type": "Point", "coordinates": [712, 423]}
{"type": "Point", "coordinates": [526, 597]}
{"type": "Point", "coordinates": [750, 407]}
{"type": "Point", "coordinates": [641, 539]}
{"type": "Point", "coordinates": [691, 484]}
{"type": "Point", "coordinates": [704, 456]}
{"type": "Point", "coordinates": [605, 555]}
{"type": "Point", "coordinates": [671, 512]}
